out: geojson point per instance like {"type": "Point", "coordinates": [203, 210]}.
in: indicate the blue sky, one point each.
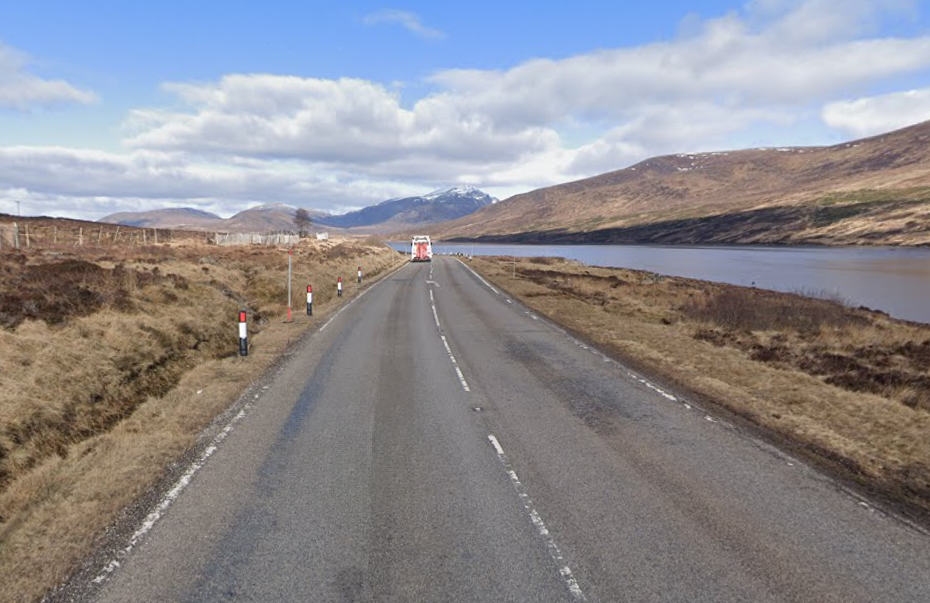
{"type": "Point", "coordinates": [112, 106]}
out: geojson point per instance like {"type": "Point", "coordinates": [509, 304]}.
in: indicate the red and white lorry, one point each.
{"type": "Point", "coordinates": [421, 250]}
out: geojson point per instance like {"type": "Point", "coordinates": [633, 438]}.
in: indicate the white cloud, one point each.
{"type": "Point", "coordinates": [878, 114]}
{"type": "Point", "coordinates": [347, 122]}
{"type": "Point", "coordinates": [726, 62]}
{"type": "Point", "coordinates": [817, 21]}
{"type": "Point", "coordinates": [22, 90]}
{"type": "Point", "coordinates": [731, 73]}
{"type": "Point", "coordinates": [409, 21]}
{"type": "Point", "coordinates": [346, 141]}
{"type": "Point", "coordinates": [95, 183]}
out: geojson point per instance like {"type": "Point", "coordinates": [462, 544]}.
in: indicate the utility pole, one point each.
{"type": "Point", "coordinates": [290, 254]}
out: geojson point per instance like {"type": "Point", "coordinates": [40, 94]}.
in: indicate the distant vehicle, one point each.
{"type": "Point", "coordinates": [421, 250]}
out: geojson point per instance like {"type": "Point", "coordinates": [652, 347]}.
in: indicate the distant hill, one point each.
{"type": "Point", "coordinates": [182, 217]}
{"type": "Point", "coordinates": [263, 218]}
{"type": "Point", "coordinates": [438, 206]}
{"type": "Point", "coordinates": [390, 215]}
{"type": "Point", "coordinates": [870, 191]}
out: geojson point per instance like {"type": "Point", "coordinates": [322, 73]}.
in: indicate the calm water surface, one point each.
{"type": "Point", "coordinates": [895, 280]}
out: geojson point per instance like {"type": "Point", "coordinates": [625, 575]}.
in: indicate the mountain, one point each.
{"type": "Point", "coordinates": [437, 206]}
{"type": "Point", "coordinates": [181, 217]}
{"type": "Point", "coordinates": [262, 218]}
{"type": "Point", "coordinates": [870, 191]}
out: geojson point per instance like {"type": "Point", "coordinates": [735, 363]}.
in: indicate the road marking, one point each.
{"type": "Point", "coordinates": [455, 364]}
{"type": "Point", "coordinates": [580, 344]}
{"type": "Point", "coordinates": [152, 518]}
{"type": "Point", "coordinates": [352, 301]}
{"type": "Point", "coordinates": [564, 571]}
{"type": "Point", "coordinates": [659, 391]}
{"type": "Point", "coordinates": [480, 278]}
{"type": "Point", "coordinates": [445, 342]}
{"type": "Point", "coordinates": [172, 495]}
{"type": "Point", "coordinates": [432, 304]}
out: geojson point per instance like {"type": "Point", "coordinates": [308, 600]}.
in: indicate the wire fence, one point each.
{"type": "Point", "coordinates": [25, 235]}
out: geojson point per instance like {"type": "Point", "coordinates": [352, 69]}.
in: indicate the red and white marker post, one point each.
{"type": "Point", "coordinates": [243, 335]}
{"type": "Point", "coordinates": [309, 300]}
{"type": "Point", "coordinates": [359, 275]}
{"type": "Point", "coordinates": [339, 287]}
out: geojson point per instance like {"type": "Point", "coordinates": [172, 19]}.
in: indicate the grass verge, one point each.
{"type": "Point", "coordinates": [847, 387]}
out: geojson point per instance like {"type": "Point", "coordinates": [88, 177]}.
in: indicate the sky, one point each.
{"type": "Point", "coordinates": [110, 106]}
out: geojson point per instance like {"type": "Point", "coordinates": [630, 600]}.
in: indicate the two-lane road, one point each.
{"type": "Point", "coordinates": [437, 442]}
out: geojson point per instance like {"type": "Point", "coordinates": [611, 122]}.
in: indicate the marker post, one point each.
{"type": "Point", "coordinates": [359, 275]}
{"type": "Point", "coordinates": [243, 335]}
{"type": "Point", "coordinates": [309, 300]}
{"type": "Point", "coordinates": [339, 287]}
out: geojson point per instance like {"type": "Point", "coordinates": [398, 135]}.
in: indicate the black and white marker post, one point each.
{"type": "Point", "coordinates": [243, 335]}
{"type": "Point", "coordinates": [309, 300]}
{"type": "Point", "coordinates": [359, 275]}
{"type": "Point", "coordinates": [339, 287]}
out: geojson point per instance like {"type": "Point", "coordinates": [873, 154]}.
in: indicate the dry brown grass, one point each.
{"type": "Point", "coordinates": [848, 386]}
{"type": "Point", "coordinates": [97, 399]}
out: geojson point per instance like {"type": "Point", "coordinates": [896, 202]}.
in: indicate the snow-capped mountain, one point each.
{"type": "Point", "coordinates": [437, 206]}
{"type": "Point", "coordinates": [444, 195]}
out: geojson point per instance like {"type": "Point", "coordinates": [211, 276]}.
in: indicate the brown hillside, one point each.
{"type": "Point", "coordinates": [874, 190]}
{"type": "Point", "coordinates": [273, 217]}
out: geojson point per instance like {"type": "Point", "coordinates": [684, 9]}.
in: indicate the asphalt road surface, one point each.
{"type": "Point", "coordinates": [495, 458]}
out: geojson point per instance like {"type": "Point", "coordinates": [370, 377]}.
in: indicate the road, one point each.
{"type": "Point", "coordinates": [495, 458]}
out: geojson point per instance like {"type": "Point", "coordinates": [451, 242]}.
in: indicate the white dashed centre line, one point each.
{"type": "Point", "coordinates": [445, 342]}
{"type": "Point", "coordinates": [564, 571]}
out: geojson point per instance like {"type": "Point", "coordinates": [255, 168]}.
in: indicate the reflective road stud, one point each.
{"type": "Point", "coordinates": [339, 287]}
{"type": "Point", "coordinates": [243, 335]}
{"type": "Point", "coordinates": [309, 300]}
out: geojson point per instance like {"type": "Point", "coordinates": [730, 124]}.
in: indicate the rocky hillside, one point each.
{"type": "Point", "coordinates": [870, 191]}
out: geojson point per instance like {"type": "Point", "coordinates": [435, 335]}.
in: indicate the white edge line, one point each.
{"type": "Point", "coordinates": [152, 518]}
{"type": "Point", "coordinates": [354, 299]}
{"type": "Point", "coordinates": [583, 346]}
{"type": "Point", "coordinates": [480, 278]}
{"type": "Point", "coordinates": [554, 552]}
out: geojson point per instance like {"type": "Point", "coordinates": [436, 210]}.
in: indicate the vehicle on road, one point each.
{"type": "Point", "coordinates": [421, 250]}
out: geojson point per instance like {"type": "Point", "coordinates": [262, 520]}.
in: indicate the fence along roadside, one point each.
{"type": "Point", "coordinates": [21, 235]}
